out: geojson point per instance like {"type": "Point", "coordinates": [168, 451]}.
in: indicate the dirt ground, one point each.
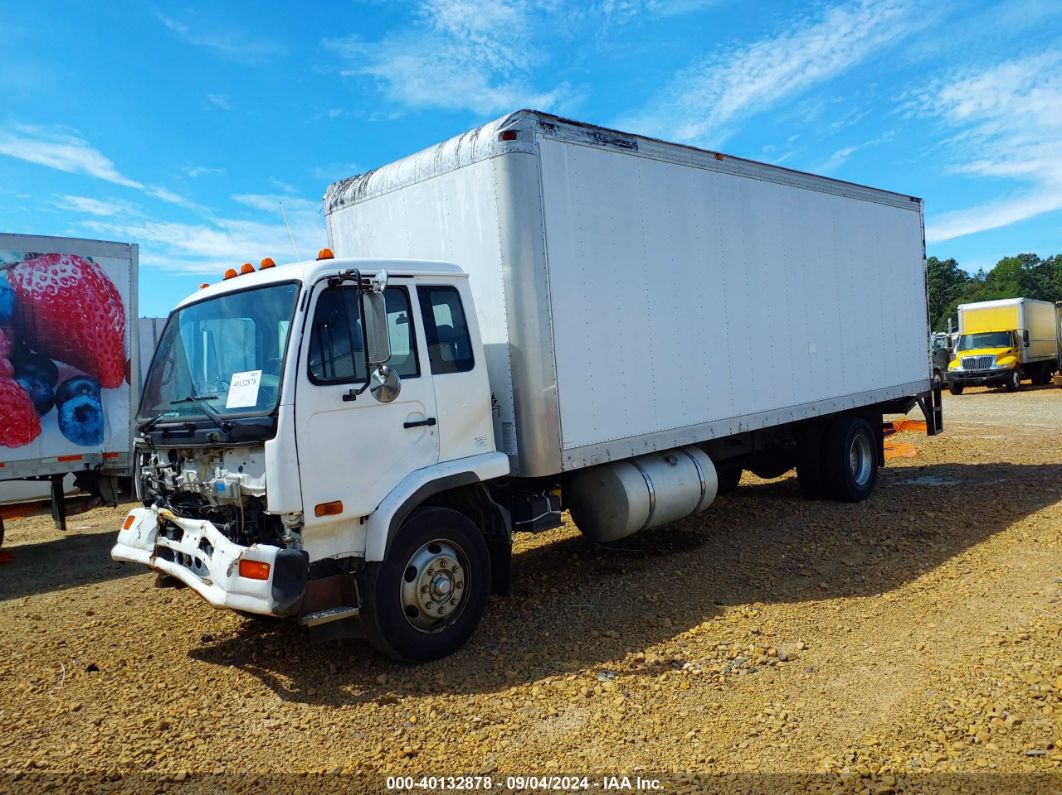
{"type": "Point", "coordinates": [908, 643]}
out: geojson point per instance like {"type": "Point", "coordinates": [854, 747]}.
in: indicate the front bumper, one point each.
{"type": "Point", "coordinates": [196, 553]}
{"type": "Point", "coordinates": [979, 377]}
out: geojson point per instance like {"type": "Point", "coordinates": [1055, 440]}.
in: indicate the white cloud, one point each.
{"type": "Point", "coordinates": [62, 150]}
{"type": "Point", "coordinates": [216, 243]}
{"type": "Point", "coordinates": [231, 44]}
{"type": "Point", "coordinates": [476, 55]}
{"type": "Point", "coordinates": [203, 171]}
{"type": "Point", "coordinates": [1007, 120]}
{"type": "Point", "coordinates": [706, 100]}
{"type": "Point", "coordinates": [100, 207]}
{"type": "Point", "coordinates": [220, 101]}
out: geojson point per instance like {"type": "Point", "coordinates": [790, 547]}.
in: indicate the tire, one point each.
{"type": "Point", "coordinates": [1042, 375]}
{"type": "Point", "coordinates": [729, 477]}
{"type": "Point", "coordinates": [1013, 383]}
{"type": "Point", "coordinates": [395, 603]}
{"type": "Point", "coordinates": [849, 459]}
{"type": "Point", "coordinates": [956, 389]}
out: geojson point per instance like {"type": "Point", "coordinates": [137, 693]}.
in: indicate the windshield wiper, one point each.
{"type": "Point", "coordinates": [201, 401]}
{"type": "Point", "coordinates": [166, 415]}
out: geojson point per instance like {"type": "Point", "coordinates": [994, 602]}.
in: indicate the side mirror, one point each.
{"type": "Point", "coordinates": [378, 344]}
{"type": "Point", "coordinates": [1025, 337]}
{"type": "Point", "coordinates": [384, 384]}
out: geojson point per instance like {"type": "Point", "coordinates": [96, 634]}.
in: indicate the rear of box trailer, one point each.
{"type": "Point", "coordinates": [635, 295]}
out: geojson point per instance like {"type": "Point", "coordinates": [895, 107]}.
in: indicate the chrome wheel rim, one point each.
{"type": "Point", "coordinates": [434, 586]}
{"type": "Point", "coordinates": [861, 459]}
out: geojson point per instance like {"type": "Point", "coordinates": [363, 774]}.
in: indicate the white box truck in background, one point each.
{"type": "Point", "coordinates": [534, 316]}
{"type": "Point", "coordinates": [67, 352]}
{"type": "Point", "coordinates": [1004, 341]}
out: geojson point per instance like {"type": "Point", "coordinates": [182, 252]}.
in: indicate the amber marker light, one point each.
{"type": "Point", "coordinates": [328, 508]}
{"type": "Point", "coordinates": [230, 273]}
{"type": "Point", "coordinates": [130, 520]}
{"type": "Point", "coordinates": [267, 262]}
{"type": "Point", "coordinates": [204, 285]}
{"type": "Point", "coordinates": [325, 253]}
{"type": "Point", "coordinates": [254, 570]}
{"type": "Point", "coordinates": [246, 268]}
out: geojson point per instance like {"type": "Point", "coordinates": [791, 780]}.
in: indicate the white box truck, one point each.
{"type": "Point", "coordinates": [1002, 342]}
{"type": "Point", "coordinates": [537, 315]}
{"type": "Point", "coordinates": [67, 363]}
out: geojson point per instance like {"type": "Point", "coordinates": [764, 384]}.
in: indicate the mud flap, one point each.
{"type": "Point", "coordinates": [932, 406]}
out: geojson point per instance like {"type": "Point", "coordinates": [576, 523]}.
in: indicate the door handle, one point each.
{"type": "Point", "coordinates": [419, 423]}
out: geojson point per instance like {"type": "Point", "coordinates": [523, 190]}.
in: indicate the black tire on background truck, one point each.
{"type": "Point", "coordinates": [955, 389]}
{"type": "Point", "coordinates": [424, 601]}
{"type": "Point", "coordinates": [809, 462]}
{"type": "Point", "coordinates": [1013, 383]}
{"type": "Point", "coordinates": [729, 477]}
{"type": "Point", "coordinates": [849, 459]}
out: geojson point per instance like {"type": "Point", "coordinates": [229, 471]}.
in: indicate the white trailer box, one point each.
{"type": "Point", "coordinates": [635, 295]}
{"type": "Point", "coordinates": [68, 353]}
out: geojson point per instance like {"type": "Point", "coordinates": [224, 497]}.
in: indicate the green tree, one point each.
{"type": "Point", "coordinates": [946, 282]}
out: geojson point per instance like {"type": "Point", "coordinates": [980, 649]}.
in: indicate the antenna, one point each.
{"type": "Point", "coordinates": [297, 256]}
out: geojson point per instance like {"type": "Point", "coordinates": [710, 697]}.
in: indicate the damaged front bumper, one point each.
{"type": "Point", "coordinates": [197, 554]}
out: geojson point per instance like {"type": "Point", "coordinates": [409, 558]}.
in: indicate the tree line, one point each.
{"type": "Point", "coordinates": [1021, 276]}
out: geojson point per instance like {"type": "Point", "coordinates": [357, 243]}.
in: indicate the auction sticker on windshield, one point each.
{"type": "Point", "coordinates": [243, 390]}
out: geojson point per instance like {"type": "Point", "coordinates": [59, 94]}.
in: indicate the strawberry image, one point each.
{"type": "Point", "coordinates": [71, 311]}
{"type": "Point", "coordinates": [19, 423]}
{"type": "Point", "coordinates": [7, 342]}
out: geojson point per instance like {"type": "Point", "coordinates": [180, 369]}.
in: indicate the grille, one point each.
{"type": "Point", "coordinates": [977, 362]}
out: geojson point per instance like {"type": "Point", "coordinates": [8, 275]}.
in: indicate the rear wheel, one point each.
{"type": "Point", "coordinates": [1013, 382]}
{"type": "Point", "coordinates": [849, 459]}
{"type": "Point", "coordinates": [427, 598]}
{"type": "Point", "coordinates": [1042, 375]}
{"type": "Point", "coordinates": [955, 389]}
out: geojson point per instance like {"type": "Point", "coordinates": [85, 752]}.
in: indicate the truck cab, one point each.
{"type": "Point", "coordinates": [986, 358]}
{"type": "Point", "coordinates": [293, 420]}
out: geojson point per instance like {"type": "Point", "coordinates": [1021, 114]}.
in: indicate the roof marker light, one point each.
{"type": "Point", "coordinates": [204, 285]}
{"type": "Point", "coordinates": [246, 268]}
{"type": "Point", "coordinates": [508, 135]}
{"type": "Point", "coordinates": [231, 273]}
{"type": "Point", "coordinates": [267, 262]}
{"type": "Point", "coordinates": [325, 253]}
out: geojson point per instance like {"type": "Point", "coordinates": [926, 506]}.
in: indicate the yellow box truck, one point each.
{"type": "Point", "coordinates": [1001, 342]}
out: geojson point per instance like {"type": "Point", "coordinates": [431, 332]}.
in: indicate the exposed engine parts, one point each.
{"type": "Point", "coordinates": [225, 486]}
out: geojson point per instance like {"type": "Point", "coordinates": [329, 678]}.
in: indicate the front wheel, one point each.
{"type": "Point", "coordinates": [849, 459]}
{"type": "Point", "coordinates": [426, 599]}
{"type": "Point", "coordinates": [955, 389]}
{"type": "Point", "coordinates": [1013, 380]}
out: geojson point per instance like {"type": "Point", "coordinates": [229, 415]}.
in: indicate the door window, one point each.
{"type": "Point", "coordinates": [401, 334]}
{"type": "Point", "coordinates": [337, 350]}
{"type": "Point", "coordinates": [445, 329]}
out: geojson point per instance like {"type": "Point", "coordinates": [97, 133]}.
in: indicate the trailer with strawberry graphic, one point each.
{"type": "Point", "coordinates": [67, 351]}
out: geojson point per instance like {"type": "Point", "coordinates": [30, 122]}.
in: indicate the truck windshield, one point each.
{"type": "Point", "coordinates": [987, 339]}
{"type": "Point", "coordinates": [222, 356]}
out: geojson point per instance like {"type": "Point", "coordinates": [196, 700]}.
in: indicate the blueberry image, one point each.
{"type": "Point", "coordinates": [33, 365]}
{"type": "Point", "coordinates": [40, 392]}
{"type": "Point", "coordinates": [78, 386]}
{"type": "Point", "coordinates": [81, 419]}
{"type": "Point", "coordinates": [7, 302]}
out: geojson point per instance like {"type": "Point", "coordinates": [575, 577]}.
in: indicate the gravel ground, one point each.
{"type": "Point", "coordinates": [908, 643]}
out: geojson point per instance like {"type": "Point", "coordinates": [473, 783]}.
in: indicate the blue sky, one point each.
{"type": "Point", "coordinates": [185, 127]}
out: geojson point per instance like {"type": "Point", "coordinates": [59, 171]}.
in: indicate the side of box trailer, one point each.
{"type": "Point", "coordinates": [70, 355]}
{"type": "Point", "coordinates": [635, 295]}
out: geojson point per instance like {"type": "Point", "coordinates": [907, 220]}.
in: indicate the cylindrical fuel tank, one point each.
{"type": "Point", "coordinates": [612, 501]}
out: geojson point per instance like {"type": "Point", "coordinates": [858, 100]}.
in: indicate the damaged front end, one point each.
{"type": "Point", "coordinates": [204, 523]}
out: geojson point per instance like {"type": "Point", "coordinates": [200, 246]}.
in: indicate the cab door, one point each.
{"type": "Point", "coordinates": [353, 450]}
